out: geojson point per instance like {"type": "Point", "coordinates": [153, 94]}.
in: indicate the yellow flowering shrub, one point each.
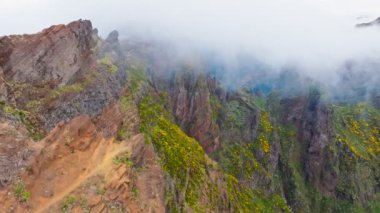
{"type": "Point", "coordinates": [357, 127]}
{"type": "Point", "coordinates": [265, 132]}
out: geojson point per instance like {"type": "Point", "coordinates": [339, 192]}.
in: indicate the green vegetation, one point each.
{"type": "Point", "coordinates": [126, 103]}
{"type": "Point", "coordinates": [20, 192]}
{"type": "Point", "coordinates": [236, 114]}
{"type": "Point", "coordinates": [216, 106]}
{"type": "Point", "coordinates": [181, 156]}
{"type": "Point", "coordinates": [288, 139]}
{"type": "Point", "coordinates": [357, 127]}
{"type": "Point", "coordinates": [123, 159]}
{"type": "Point", "coordinates": [238, 160]}
{"type": "Point", "coordinates": [245, 199]}
{"type": "Point", "coordinates": [265, 131]}
{"type": "Point", "coordinates": [121, 134]}
{"type": "Point", "coordinates": [68, 203]}
{"type": "Point", "coordinates": [184, 160]}
{"type": "Point", "coordinates": [107, 63]}
{"type": "Point", "coordinates": [64, 90]}
{"type": "Point", "coordinates": [25, 118]}
{"type": "Point", "coordinates": [100, 191]}
{"type": "Point", "coordinates": [136, 77]}
{"type": "Point", "coordinates": [135, 191]}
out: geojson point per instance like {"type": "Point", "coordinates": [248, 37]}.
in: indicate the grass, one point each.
{"type": "Point", "coordinates": [135, 191]}
{"type": "Point", "coordinates": [100, 191]}
{"type": "Point", "coordinates": [67, 89]}
{"type": "Point", "coordinates": [107, 63]}
{"type": "Point", "coordinates": [121, 134]}
{"type": "Point", "coordinates": [123, 159]}
{"type": "Point", "coordinates": [68, 203]}
{"type": "Point", "coordinates": [21, 193]}
{"type": "Point", "coordinates": [136, 76]}
{"type": "Point", "coordinates": [25, 118]}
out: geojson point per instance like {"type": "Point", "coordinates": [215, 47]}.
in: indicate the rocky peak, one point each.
{"type": "Point", "coordinates": [112, 46]}
{"type": "Point", "coordinates": [54, 54]}
{"type": "Point", "coordinates": [113, 37]}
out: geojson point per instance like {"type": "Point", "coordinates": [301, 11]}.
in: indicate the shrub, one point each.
{"type": "Point", "coordinates": [107, 63]}
{"type": "Point", "coordinates": [68, 203]}
{"type": "Point", "coordinates": [21, 194]}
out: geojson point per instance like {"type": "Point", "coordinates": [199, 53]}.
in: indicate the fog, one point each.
{"type": "Point", "coordinates": [316, 36]}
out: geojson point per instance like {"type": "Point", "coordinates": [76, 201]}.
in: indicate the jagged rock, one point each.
{"type": "Point", "coordinates": [190, 96]}
{"type": "Point", "coordinates": [58, 72]}
{"type": "Point", "coordinates": [112, 46]}
{"type": "Point", "coordinates": [55, 54]}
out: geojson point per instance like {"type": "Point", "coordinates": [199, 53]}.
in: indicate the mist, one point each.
{"type": "Point", "coordinates": [316, 37]}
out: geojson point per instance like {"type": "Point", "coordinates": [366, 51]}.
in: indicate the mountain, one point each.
{"type": "Point", "coordinates": [108, 125]}
{"type": "Point", "coordinates": [369, 24]}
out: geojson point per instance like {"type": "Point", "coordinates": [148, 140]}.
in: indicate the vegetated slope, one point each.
{"type": "Point", "coordinates": [319, 156]}
{"type": "Point", "coordinates": [92, 125]}
{"type": "Point", "coordinates": [79, 165]}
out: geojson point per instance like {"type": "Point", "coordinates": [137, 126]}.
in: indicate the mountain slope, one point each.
{"type": "Point", "coordinates": [92, 125]}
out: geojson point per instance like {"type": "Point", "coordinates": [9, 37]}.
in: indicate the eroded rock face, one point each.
{"type": "Point", "coordinates": [99, 85]}
{"type": "Point", "coordinates": [312, 121]}
{"type": "Point", "coordinates": [55, 54]}
{"type": "Point", "coordinates": [190, 96]}
{"type": "Point", "coordinates": [317, 134]}
{"type": "Point", "coordinates": [56, 75]}
{"type": "Point", "coordinates": [15, 151]}
{"type": "Point", "coordinates": [112, 46]}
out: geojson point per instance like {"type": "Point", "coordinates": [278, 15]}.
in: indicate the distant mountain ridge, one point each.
{"type": "Point", "coordinates": [375, 22]}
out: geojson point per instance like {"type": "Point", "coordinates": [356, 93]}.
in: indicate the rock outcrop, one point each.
{"type": "Point", "coordinates": [56, 54]}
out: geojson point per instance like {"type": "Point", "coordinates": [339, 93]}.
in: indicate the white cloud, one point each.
{"type": "Point", "coordinates": [318, 34]}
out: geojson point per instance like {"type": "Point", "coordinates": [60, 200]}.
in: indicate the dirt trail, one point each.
{"type": "Point", "coordinates": [77, 160]}
{"type": "Point", "coordinates": [105, 153]}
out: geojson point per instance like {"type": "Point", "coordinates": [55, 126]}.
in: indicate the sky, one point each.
{"type": "Point", "coordinates": [317, 34]}
{"type": "Point", "coordinates": [27, 16]}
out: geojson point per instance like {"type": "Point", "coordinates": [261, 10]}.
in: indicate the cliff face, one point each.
{"type": "Point", "coordinates": [92, 125]}
{"type": "Point", "coordinates": [56, 75]}
{"type": "Point", "coordinates": [56, 54]}
{"type": "Point", "coordinates": [310, 152]}
{"type": "Point", "coordinates": [58, 88]}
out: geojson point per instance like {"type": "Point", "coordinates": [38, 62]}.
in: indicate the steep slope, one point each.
{"type": "Point", "coordinates": [79, 164]}
{"type": "Point", "coordinates": [319, 156]}
{"type": "Point", "coordinates": [77, 168]}
{"type": "Point", "coordinates": [70, 133]}
{"type": "Point", "coordinates": [92, 125]}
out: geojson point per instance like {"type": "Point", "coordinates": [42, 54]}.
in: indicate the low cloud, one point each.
{"type": "Point", "coordinates": [316, 36]}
